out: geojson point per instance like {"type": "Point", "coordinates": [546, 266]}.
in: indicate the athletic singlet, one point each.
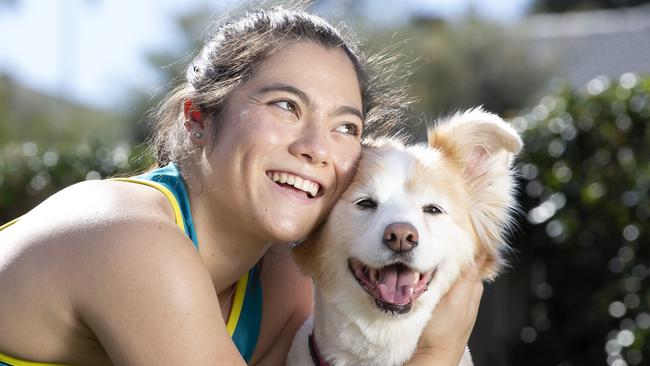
{"type": "Point", "coordinates": [245, 317]}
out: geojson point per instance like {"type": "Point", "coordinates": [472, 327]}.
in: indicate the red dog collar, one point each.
{"type": "Point", "coordinates": [315, 354]}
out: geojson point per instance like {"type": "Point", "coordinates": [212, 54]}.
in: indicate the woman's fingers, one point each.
{"type": "Point", "coordinates": [453, 319]}
{"type": "Point", "coordinates": [471, 280]}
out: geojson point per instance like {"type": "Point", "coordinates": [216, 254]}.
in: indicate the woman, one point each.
{"type": "Point", "coordinates": [112, 272]}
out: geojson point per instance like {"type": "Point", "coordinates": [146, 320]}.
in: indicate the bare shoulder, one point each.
{"type": "Point", "coordinates": [287, 303]}
{"type": "Point", "coordinates": [103, 199]}
{"type": "Point", "coordinates": [103, 229]}
{"type": "Point", "coordinates": [94, 220]}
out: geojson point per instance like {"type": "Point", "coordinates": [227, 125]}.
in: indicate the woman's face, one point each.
{"type": "Point", "coordinates": [290, 131]}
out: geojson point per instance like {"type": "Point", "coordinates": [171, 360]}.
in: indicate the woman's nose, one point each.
{"type": "Point", "coordinates": [312, 145]}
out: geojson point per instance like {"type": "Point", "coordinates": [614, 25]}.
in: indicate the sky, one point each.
{"type": "Point", "coordinates": [93, 52]}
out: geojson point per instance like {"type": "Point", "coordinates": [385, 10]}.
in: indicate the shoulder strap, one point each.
{"type": "Point", "coordinates": [178, 216]}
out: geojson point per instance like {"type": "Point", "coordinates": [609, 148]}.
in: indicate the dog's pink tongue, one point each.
{"type": "Point", "coordinates": [395, 286]}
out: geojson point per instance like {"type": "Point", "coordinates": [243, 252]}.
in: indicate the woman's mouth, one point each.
{"type": "Point", "coordinates": [393, 287]}
{"type": "Point", "coordinates": [291, 181]}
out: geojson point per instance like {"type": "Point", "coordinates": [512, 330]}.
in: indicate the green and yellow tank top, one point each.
{"type": "Point", "coordinates": [245, 316]}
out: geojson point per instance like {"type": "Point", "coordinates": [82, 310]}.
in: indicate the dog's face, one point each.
{"type": "Point", "coordinates": [415, 216]}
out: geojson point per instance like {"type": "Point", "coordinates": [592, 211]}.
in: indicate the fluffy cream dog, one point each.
{"type": "Point", "coordinates": [411, 221]}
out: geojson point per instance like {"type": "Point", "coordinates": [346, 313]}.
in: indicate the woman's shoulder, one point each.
{"type": "Point", "coordinates": [97, 205]}
{"type": "Point", "coordinates": [110, 198]}
{"type": "Point", "coordinates": [97, 221]}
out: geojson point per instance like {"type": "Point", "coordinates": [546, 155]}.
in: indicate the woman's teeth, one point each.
{"type": "Point", "coordinates": [307, 186]}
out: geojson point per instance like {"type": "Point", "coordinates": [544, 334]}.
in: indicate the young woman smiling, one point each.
{"type": "Point", "coordinates": [253, 149]}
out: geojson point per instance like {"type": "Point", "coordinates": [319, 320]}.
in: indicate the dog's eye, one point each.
{"type": "Point", "coordinates": [432, 209]}
{"type": "Point", "coordinates": [366, 203]}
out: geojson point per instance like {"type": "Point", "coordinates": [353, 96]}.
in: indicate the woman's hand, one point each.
{"type": "Point", "coordinates": [445, 337]}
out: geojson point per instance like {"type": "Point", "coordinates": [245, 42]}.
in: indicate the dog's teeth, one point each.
{"type": "Point", "coordinates": [373, 275]}
{"type": "Point", "coordinates": [283, 177]}
{"type": "Point", "coordinates": [276, 176]}
{"type": "Point", "coordinates": [291, 179]}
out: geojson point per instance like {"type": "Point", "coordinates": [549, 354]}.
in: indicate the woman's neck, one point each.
{"type": "Point", "coordinates": [228, 248]}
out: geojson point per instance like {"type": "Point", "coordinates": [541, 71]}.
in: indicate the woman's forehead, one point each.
{"type": "Point", "coordinates": [313, 69]}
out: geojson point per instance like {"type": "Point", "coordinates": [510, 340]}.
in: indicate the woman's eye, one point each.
{"type": "Point", "coordinates": [349, 128]}
{"type": "Point", "coordinates": [432, 209]}
{"type": "Point", "coordinates": [366, 204]}
{"type": "Point", "coordinates": [287, 105]}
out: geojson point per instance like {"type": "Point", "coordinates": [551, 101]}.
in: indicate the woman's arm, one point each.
{"type": "Point", "coordinates": [445, 337]}
{"type": "Point", "coordinates": [149, 300]}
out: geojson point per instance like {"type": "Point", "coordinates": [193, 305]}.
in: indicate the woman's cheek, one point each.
{"type": "Point", "coordinates": [348, 164]}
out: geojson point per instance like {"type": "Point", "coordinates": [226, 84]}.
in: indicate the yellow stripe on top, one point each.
{"type": "Point", "coordinates": [16, 362]}
{"type": "Point", "coordinates": [237, 304]}
{"type": "Point", "coordinates": [9, 223]}
{"type": "Point", "coordinates": [178, 216]}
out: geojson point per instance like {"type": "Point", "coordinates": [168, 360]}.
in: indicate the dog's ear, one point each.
{"type": "Point", "coordinates": [484, 146]}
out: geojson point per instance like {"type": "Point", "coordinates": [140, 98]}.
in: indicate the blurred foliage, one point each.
{"type": "Point", "coordinates": [47, 143]}
{"type": "Point", "coordinates": [585, 183]}
{"type": "Point", "coordinates": [26, 115]}
{"type": "Point", "coordinates": [29, 174]}
{"type": "Point", "coordinates": [472, 62]}
{"type": "Point", "coordinates": [460, 65]}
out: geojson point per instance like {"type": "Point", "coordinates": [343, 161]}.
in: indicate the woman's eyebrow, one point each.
{"type": "Point", "coordinates": [305, 98]}
{"type": "Point", "coordinates": [349, 110]}
{"type": "Point", "coordinates": [287, 88]}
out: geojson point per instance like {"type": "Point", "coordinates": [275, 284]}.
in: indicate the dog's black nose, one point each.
{"type": "Point", "coordinates": [400, 237]}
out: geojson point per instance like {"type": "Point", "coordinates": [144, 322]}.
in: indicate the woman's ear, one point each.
{"type": "Point", "coordinates": [194, 123]}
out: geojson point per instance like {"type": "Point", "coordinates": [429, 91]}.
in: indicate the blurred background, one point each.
{"type": "Point", "coordinates": [77, 78]}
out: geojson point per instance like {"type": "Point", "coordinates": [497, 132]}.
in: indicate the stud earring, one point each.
{"type": "Point", "coordinates": [197, 134]}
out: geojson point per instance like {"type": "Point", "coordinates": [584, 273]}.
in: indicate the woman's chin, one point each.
{"type": "Point", "coordinates": [290, 231]}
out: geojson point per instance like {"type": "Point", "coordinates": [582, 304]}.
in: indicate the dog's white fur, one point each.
{"type": "Point", "coordinates": [466, 171]}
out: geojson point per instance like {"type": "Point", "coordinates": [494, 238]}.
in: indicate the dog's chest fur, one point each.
{"type": "Point", "coordinates": [348, 343]}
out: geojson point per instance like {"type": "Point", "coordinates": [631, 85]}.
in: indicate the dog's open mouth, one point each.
{"type": "Point", "coordinates": [393, 287]}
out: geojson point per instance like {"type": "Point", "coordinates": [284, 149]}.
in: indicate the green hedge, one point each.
{"type": "Point", "coordinates": [29, 173]}
{"type": "Point", "coordinates": [585, 176]}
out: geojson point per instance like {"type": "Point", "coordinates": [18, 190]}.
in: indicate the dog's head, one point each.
{"type": "Point", "coordinates": [415, 216]}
